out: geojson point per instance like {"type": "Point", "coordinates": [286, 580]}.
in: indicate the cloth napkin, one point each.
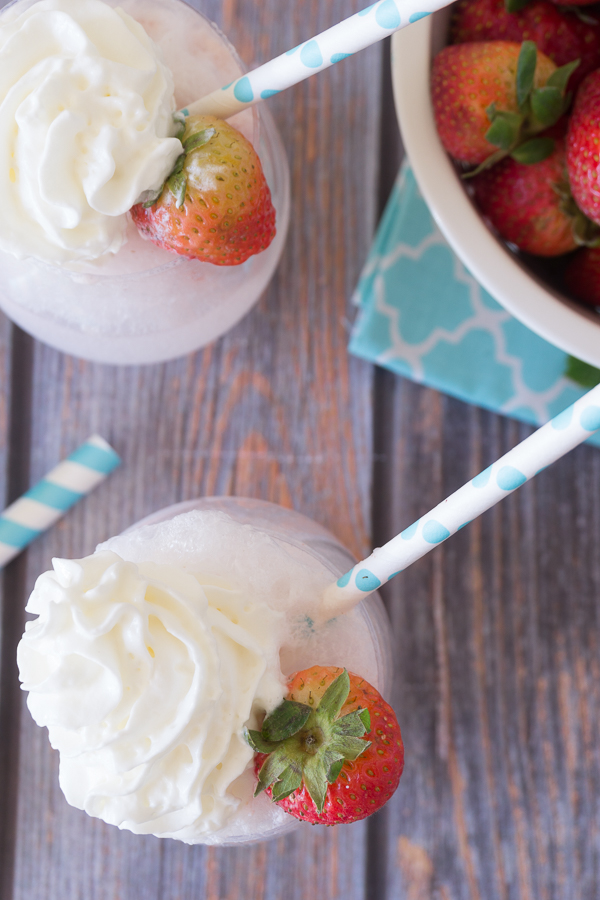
{"type": "Point", "coordinates": [423, 315]}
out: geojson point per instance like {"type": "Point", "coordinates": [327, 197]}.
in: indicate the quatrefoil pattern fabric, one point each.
{"type": "Point", "coordinates": [424, 316]}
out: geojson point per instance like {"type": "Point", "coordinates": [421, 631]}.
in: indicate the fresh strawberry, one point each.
{"type": "Point", "coordinates": [332, 751]}
{"type": "Point", "coordinates": [563, 36]}
{"type": "Point", "coordinates": [216, 204]}
{"type": "Point", "coordinates": [583, 147]}
{"type": "Point", "coordinates": [489, 98]}
{"type": "Point", "coordinates": [582, 276]}
{"type": "Point", "coordinates": [529, 205]}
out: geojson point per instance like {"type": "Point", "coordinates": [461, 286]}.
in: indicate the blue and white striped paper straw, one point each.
{"type": "Point", "coordinates": [43, 504]}
{"type": "Point", "coordinates": [342, 40]}
{"type": "Point", "coordinates": [570, 428]}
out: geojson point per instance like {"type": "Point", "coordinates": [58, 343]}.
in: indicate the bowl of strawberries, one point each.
{"type": "Point", "coordinates": [499, 110]}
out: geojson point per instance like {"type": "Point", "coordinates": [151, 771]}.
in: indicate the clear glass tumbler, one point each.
{"type": "Point", "coordinates": [144, 304]}
{"type": "Point", "coordinates": [362, 645]}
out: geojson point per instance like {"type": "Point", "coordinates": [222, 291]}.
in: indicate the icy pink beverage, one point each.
{"type": "Point", "coordinates": [83, 280]}
{"type": "Point", "coordinates": [149, 658]}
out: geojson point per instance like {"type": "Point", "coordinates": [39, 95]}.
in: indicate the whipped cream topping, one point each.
{"type": "Point", "coordinates": [86, 126]}
{"type": "Point", "coordinates": [145, 678]}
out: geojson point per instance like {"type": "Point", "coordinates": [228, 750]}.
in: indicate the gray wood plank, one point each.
{"type": "Point", "coordinates": [15, 398]}
{"type": "Point", "coordinates": [275, 410]}
{"type": "Point", "coordinates": [497, 635]}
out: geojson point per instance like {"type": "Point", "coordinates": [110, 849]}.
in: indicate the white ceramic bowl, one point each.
{"type": "Point", "coordinates": [571, 327]}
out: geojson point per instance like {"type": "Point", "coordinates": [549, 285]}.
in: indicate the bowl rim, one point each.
{"type": "Point", "coordinates": [553, 317]}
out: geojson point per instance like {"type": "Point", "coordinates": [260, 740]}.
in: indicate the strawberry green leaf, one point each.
{"type": "Point", "coordinates": [271, 770]}
{"type": "Point", "coordinates": [330, 757]}
{"type": "Point", "coordinates": [255, 740]}
{"type": "Point", "coordinates": [365, 717]}
{"type": "Point", "coordinates": [513, 6]}
{"type": "Point", "coordinates": [285, 720]}
{"type": "Point", "coordinates": [562, 189]}
{"type": "Point", "coordinates": [290, 780]}
{"type": "Point", "coordinates": [334, 771]}
{"type": "Point", "coordinates": [335, 696]}
{"type": "Point", "coordinates": [179, 164]}
{"type": "Point", "coordinates": [351, 724]}
{"type": "Point", "coordinates": [560, 77]}
{"type": "Point", "coordinates": [179, 120]}
{"type": "Point", "coordinates": [491, 111]}
{"type": "Point", "coordinates": [198, 139]}
{"type": "Point", "coordinates": [533, 151]}
{"type": "Point", "coordinates": [149, 198]}
{"type": "Point", "coordinates": [547, 105]}
{"type": "Point", "coordinates": [585, 232]}
{"type": "Point", "coordinates": [490, 161]}
{"type": "Point", "coordinates": [582, 373]}
{"type": "Point", "coordinates": [177, 184]}
{"type": "Point", "coordinates": [526, 71]}
{"type": "Point", "coordinates": [504, 130]}
{"type": "Point", "coordinates": [350, 747]}
{"type": "Point", "coordinates": [315, 778]}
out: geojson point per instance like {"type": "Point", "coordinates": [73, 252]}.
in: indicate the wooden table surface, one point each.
{"type": "Point", "coordinates": [496, 633]}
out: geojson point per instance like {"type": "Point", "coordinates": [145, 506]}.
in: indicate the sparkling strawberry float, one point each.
{"type": "Point", "coordinates": [91, 132]}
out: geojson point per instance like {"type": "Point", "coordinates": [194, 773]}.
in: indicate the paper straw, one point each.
{"type": "Point", "coordinates": [543, 447]}
{"type": "Point", "coordinates": [43, 504]}
{"type": "Point", "coordinates": [342, 40]}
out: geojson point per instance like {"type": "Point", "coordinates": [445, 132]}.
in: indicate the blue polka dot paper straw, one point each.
{"type": "Point", "coordinates": [570, 428]}
{"type": "Point", "coordinates": [43, 504]}
{"type": "Point", "coordinates": [342, 40]}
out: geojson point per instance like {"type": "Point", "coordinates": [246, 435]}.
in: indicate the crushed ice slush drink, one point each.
{"type": "Point", "coordinates": [150, 656]}
{"type": "Point", "coordinates": [144, 304]}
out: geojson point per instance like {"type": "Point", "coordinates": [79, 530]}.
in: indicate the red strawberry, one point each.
{"type": "Point", "coordinates": [216, 204]}
{"type": "Point", "coordinates": [582, 276]}
{"type": "Point", "coordinates": [529, 204]}
{"type": "Point", "coordinates": [583, 147]}
{"type": "Point", "coordinates": [332, 751]}
{"type": "Point", "coordinates": [561, 36]}
{"type": "Point", "coordinates": [468, 82]}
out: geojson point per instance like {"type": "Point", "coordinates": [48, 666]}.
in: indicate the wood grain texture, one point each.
{"type": "Point", "coordinates": [15, 406]}
{"type": "Point", "coordinates": [275, 410]}
{"type": "Point", "coordinates": [497, 637]}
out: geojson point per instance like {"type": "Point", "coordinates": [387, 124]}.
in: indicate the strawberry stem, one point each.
{"type": "Point", "coordinates": [515, 134]}
{"type": "Point", "coordinates": [315, 744]}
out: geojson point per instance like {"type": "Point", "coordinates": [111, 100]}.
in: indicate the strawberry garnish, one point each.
{"type": "Point", "coordinates": [216, 203]}
{"type": "Point", "coordinates": [493, 99]}
{"type": "Point", "coordinates": [332, 751]}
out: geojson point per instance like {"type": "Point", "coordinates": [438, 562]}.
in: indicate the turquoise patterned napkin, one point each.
{"type": "Point", "coordinates": [423, 315]}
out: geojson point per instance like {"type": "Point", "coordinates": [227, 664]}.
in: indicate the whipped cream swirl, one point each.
{"type": "Point", "coordinates": [145, 678]}
{"type": "Point", "coordinates": [86, 126]}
